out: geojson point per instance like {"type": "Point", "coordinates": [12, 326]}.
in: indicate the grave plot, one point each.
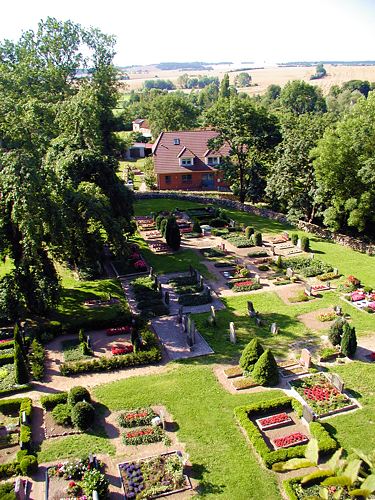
{"type": "Point", "coordinates": [142, 426]}
{"type": "Point", "coordinates": [76, 479]}
{"type": "Point", "coordinates": [290, 368]}
{"type": "Point", "coordinates": [191, 290]}
{"type": "Point", "coordinates": [277, 431]}
{"type": "Point", "coordinates": [154, 476]}
{"type": "Point", "coordinates": [323, 395]}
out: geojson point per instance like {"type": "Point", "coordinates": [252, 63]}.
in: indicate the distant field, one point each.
{"type": "Point", "coordinates": [265, 77]}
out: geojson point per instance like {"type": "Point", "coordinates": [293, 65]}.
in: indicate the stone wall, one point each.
{"type": "Point", "coordinates": [227, 201]}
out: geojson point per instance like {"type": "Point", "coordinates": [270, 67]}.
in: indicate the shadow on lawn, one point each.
{"type": "Point", "coordinates": [197, 471]}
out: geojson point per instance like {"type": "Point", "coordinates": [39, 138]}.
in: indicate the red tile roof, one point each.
{"type": "Point", "coordinates": [166, 153]}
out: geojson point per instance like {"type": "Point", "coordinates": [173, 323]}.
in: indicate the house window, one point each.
{"type": "Point", "coordinates": [213, 160]}
{"type": "Point", "coordinates": [186, 162]}
{"type": "Point", "coordinates": [186, 178]}
{"type": "Point", "coordinates": [176, 142]}
{"type": "Point", "coordinates": [167, 179]}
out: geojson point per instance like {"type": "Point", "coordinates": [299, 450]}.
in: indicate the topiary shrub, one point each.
{"type": "Point", "coordinates": [49, 402]}
{"type": "Point", "coordinates": [158, 220]}
{"type": "Point", "coordinates": [7, 491]}
{"type": "Point", "coordinates": [279, 262]}
{"type": "Point", "coordinates": [61, 414]}
{"type": "Point", "coordinates": [77, 394]}
{"type": "Point", "coordinates": [251, 354]}
{"type": "Point", "coordinates": [29, 465]}
{"type": "Point", "coordinates": [336, 331]}
{"type": "Point", "coordinates": [257, 239]}
{"type": "Point", "coordinates": [196, 227]}
{"type": "Point", "coordinates": [83, 415]}
{"type": "Point", "coordinates": [348, 341]}
{"type": "Point", "coordinates": [265, 371]}
{"type": "Point", "coordinates": [163, 225]}
{"type": "Point", "coordinates": [218, 222]}
{"type": "Point", "coordinates": [82, 336]}
{"type": "Point", "coordinates": [249, 231]}
{"type": "Point", "coordinates": [20, 366]}
{"type": "Point", "coordinates": [172, 234]}
{"type": "Point", "coordinates": [294, 238]}
{"type": "Point", "coordinates": [305, 243]}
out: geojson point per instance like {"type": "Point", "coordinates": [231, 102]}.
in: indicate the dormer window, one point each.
{"type": "Point", "coordinates": [176, 142]}
{"type": "Point", "coordinates": [186, 162]}
{"type": "Point", "coordinates": [213, 160]}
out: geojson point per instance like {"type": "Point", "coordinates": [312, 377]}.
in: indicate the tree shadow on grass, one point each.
{"type": "Point", "coordinates": [197, 471]}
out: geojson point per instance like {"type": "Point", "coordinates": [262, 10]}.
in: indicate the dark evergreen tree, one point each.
{"type": "Point", "coordinates": [265, 371]}
{"type": "Point", "coordinates": [336, 331]}
{"type": "Point", "coordinates": [348, 341]}
{"type": "Point", "coordinates": [20, 365]}
{"type": "Point", "coordinates": [251, 354]}
{"type": "Point", "coordinates": [224, 87]}
{"type": "Point", "coordinates": [172, 234]}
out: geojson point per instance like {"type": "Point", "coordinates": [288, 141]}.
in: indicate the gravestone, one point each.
{"type": "Point", "coordinates": [232, 333]}
{"type": "Point", "coordinates": [223, 247]}
{"type": "Point", "coordinates": [88, 341]}
{"type": "Point", "coordinates": [305, 359]}
{"type": "Point", "coordinates": [232, 223]}
{"type": "Point", "coordinates": [273, 250]}
{"type": "Point", "coordinates": [289, 272]}
{"type": "Point", "coordinates": [162, 418]}
{"type": "Point", "coordinates": [258, 321]}
{"type": "Point", "coordinates": [250, 309]}
{"type": "Point", "coordinates": [201, 282]}
{"type": "Point", "coordinates": [312, 256]}
{"type": "Point", "coordinates": [24, 417]}
{"type": "Point", "coordinates": [207, 290]}
{"type": "Point", "coordinates": [307, 414]}
{"type": "Point", "coordinates": [160, 288]}
{"type": "Point", "coordinates": [19, 489]}
{"type": "Point", "coordinates": [156, 281]}
{"type": "Point", "coordinates": [257, 278]}
{"type": "Point", "coordinates": [337, 381]}
{"type": "Point", "coordinates": [335, 271]}
{"type": "Point", "coordinates": [184, 323]}
{"type": "Point", "coordinates": [213, 315]}
{"type": "Point", "coordinates": [166, 297]}
{"type": "Point", "coordinates": [274, 329]}
{"type": "Point", "coordinates": [308, 290]}
{"type": "Point", "coordinates": [180, 315]}
{"type": "Point", "coordinates": [338, 310]}
{"type": "Point", "coordinates": [151, 273]}
{"type": "Point", "coordinates": [299, 243]}
{"type": "Point", "coordinates": [190, 332]}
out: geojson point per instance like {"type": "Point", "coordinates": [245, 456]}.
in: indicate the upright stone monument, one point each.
{"type": "Point", "coordinates": [250, 309]}
{"type": "Point", "coordinates": [274, 329]}
{"type": "Point", "coordinates": [232, 333]}
{"type": "Point", "coordinates": [305, 359]}
{"type": "Point", "coordinates": [289, 272]}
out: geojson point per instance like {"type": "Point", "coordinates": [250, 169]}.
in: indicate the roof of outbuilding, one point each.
{"type": "Point", "coordinates": [167, 153]}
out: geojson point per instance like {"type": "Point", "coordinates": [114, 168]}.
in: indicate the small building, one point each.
{"type": "Point", "coordinates": [184, 161]}
{"type": "Point", "coordinates": [142, 126]}
{"type": "Point", "coordinates": [138, 150]}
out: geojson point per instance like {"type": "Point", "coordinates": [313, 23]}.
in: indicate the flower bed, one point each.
{"type": "Point", "coordinates": [233, 371]}
{"type": "Point", "coordinates": [328, 316]}
{"type": "Point", "coordinates": [321, 395]}
{"type": "Point", "coordinates": [274, 421]}
{"type": "Point", "coordinates": [290, 440]}
{"type": "Point", "coordinates": [320, 288]}
{"type": "Point", "coordinates": [245, 286]}
{"type": "Point", "coordinates": [143, 435]}
{"type": "Point", "coordinates": [153, 476]}
{"type": "Point", "coordinates": [118, 330]}
{"type": "Point", "coordinates": [136, 417]}
{"type": "Point", "coordinates": [117, 350]}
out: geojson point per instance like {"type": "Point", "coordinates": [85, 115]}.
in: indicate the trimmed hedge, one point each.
{"type": "Point", "coordinates": [326, 443]}
{"type": "Point", "coordinates": [6, 345]}
{"type": "Point", "coordinates": [315, 478]}
{"type": "Point", "coordinates": [6, 359]}
{"type": "Point", "coordinates": [195, 299]}
{"type": "Point", "coordinates": [288, 487]}
{"type": "Point", "coordinates": [49, 402]}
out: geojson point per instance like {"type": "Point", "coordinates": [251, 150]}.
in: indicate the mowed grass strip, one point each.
{"type": "Point", "coordinates": [222, 461]}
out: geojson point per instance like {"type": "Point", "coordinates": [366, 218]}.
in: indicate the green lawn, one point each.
{"type": "Point", "coordinates": [71, 307]}
{"type": "Point", "coordinates": [203, 411]}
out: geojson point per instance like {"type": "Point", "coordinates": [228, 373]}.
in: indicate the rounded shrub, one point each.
{"type": "Point", "coordinates": [172, 234]}
{"type": "Point", "coordinates": [197, 228]}
{"type": "Point", "coordinates": [294, 238]}
{"type": "Point", "coordinates": [83, 415]}
{"type": "Point", "coordinates": [265, 371]}
{"type": "Point", "coordinates": [29, 465]}
{"type": "Point", "coordinates": [61, 414]}
{"type": "Point", "coordinates": [249, 231]}
{"type": "Point", "coordinates": [77, 394]}
{"type": "Point", "coordinates": [257, 239]}
{"type": "Point", "coordinates": [218, 222]}
{"type": "Point", "coordinates": [305, 243]}
{"type": "Point", "coordinates": [158, 220]}
{"type": "Point", "coordinates": [251, 354]}
{"type": "Point", "coordinates": [163, 226]}
{"type": "Point", "coordinates": [336, 331]}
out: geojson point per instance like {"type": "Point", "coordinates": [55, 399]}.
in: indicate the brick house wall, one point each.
{"type": "Point", "coordinates": [190, 181]}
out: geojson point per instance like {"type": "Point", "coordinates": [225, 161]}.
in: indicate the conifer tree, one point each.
{"type": "Point", "coordinates": [265, 371]}
{"type": "Point", "coordinates": [251, 354]}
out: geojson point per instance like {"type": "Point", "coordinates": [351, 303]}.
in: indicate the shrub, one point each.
{"type": "Point", "coordinates": [25, 436]}
{"type": "Point", "coordinates": [195, 299]}
{"type": "Point", "coordinates": [328, 276]}
{"type": "Point", "coordinates": [37, 355]}
{"type": "Point", "coordinates": [279, 262]}
{"type": "Point", "coordinates": [77, 394]}
{"type": "Point", "coordinates": [294, 238]}
{"type": "Point", "coordinates": [21, 370]}
{"type": "Point", "coordinates": [263, 267]}
{"type": "Point", "coordinates": [299, 296]}
{"type": "Point", "coordinates": [257, 239]}
{"type": "Point", "coordinates": [49, 402]}
{"type": "Point", "coordinates": [197, 227]}
{"type": "Point", "coordinates": [315, 477]}
{"type": "Point", "coordinates": [251, 354]}
{"type": "Point", "coordinates": [218, 222]}
{"type": "Point", "coordinates": [305, 243]}
{"type": "Point", "coordinates": [265, 371]}
{"type": "Point", "coordinates": [94, 480]}
{"type": "Point", "coordinates": [83, 415]}
{"type": "Point", "coordinates": [348, 341]}
{"type": "Point", "coordinates": [7, 491]}
{"type": "Point", "coordinates": [9, 469]}
{"type": "Point", "coordinates": [249, 231]}
{"type": "Point", "coordinates": [172, 234]}
{"type": "Point", "coordinates": [61, 414]}
{"type": "Point", "coordinates": [29, 465]}
{"type": "Point", "coordinates": [158, 220]}
{"type": "Point", "coordinates": [336, 331]}
{"type": "Point", "coordinates": [163, 225]}
{"type": "Point", "coordinates": [7, 345]}
{"type": "Point", "coordinates": [82, 336]}
{"type": "Point", "coordinates": [257, 253]}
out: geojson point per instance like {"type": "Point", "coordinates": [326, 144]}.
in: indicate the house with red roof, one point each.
{"type": "Point", "coordinates": [141, 125]}
{"type": "Point", "coordinates": [184, 161]}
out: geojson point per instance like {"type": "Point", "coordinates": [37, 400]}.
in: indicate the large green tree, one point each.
{"type": "Point", "coordinates": [172, 112]}
{"type": "Point", "coordinates": [299, 97]}
{"type": "Point", "coordinates": [344, 165]}
{"type": "Point", "coordinates": [251, 133]}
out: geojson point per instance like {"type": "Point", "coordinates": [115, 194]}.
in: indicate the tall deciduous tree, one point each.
{"type": "Point", "coordinates": [299, 97]}
{"type": "Point", "coordinates": [224, 87]}
{"type": "Point", "coordinates": [344, 165]}
{"type": "Point", "coordinates": [172, 112]}
{"type": "Point", "coordinates": [249, 130]}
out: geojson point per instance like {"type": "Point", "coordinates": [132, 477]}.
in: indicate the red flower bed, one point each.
{"type": "Point", "coordinates": [319, 393]}
{"type": "Point", "coordinates": [243, 283]}
{"type": "Point", "coordinates": [320, 287]}
{"type": "Point", "coordinates": [130, 416]}
{"type": "Point", "coordinates": [140, 264]}
{"type": "Point", "coordinates": [126, 349]}
{"type": "Point", "coordinates": [353, 280]}
{"type": "Point", "coordinates": [141, 432]}
{"type": "Point", "coordinates": [358, 296]}
{"type": "Point", "coordinates": [274, 419]}
{"type": "Point", "coordinates": [118, 329]}
{"type": "Point", "coordinates": [290, 440]}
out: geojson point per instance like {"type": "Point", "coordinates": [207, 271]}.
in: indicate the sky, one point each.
{"type": "Point", "coordinates": [263, 31]}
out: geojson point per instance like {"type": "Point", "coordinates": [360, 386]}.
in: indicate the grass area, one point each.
{"type": "Point", "coordinates": [203, 411]}
{"type": "Point", "coordinates": [5, 267]}
{"type": "Point", "coordinates": [272, 309]}
{"type": "Point", "coordinates": [145, 207]}
{"type": "Point", "coordinates": [357, 429]}
{"type": "Point", "coordinates": [175, 262]}
{"type": "Point", "coordinates": [135, 165]}
{"type": "Point", "coordinates": [71, 307]}
{"type": "Point", "coordinates": [72, 350]}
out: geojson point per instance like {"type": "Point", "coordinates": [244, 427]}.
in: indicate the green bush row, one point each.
{"type": "Point", "coordinates": [6, 359]}
{"type": "Point", "coordinates": [49, 402]}
{"type": "Point", "coordinates": [6, 345]}
{"type": "Point", "coordinates": [289, 487]}
{"type": "Point", "coordinates": [37, 356]}
{"type": "Point", "coordinates": [243, 414]}
{"type": "Point", "coordinates": [14, 390]}
{"type": "Point", "coordinates": [194, 299]}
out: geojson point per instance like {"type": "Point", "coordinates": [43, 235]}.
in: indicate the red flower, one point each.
{"type": "Point", "coordinates": [275, 419]}
{"type": "Point", "coordinates": [244, 283]}
{"type": "Point", "coordinates": [285, 441]}
{"type": "Point", "coordinates": [71, 484]}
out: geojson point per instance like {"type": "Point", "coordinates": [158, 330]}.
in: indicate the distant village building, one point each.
{"type": "Point", "coordinates": [184, 161]}
{"type": "Point", "coordinates": [138, 150]}
{"type": "Point", "coordinates": [142, 126]}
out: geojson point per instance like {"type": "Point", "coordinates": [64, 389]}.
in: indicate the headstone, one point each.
{"type": "Point", "coordinates": [166, 297]}
{"type": "Point", "coordinates": [151, 273]}
{"type": "Point", "coordinates": [274, 329]}
{"type": "Point", "coordinates": [335, 271]}
{"type": "Point", "coordinates": [337, 381]}
{"type": "Point", "coordinates": [156, 281]}
{"type": "Point", "coordinates": [299, 243]}
{"type": "Point", "coordinates": [179, 315]}
{"type": "Point", "coordinates": [250, 309]}
{"type": "Point", "coordinates": [312, 256]}
{"type": "Point", "coordinates": [307, 414]}
{"type": "Point", "coordinates": [19, 489]}
{"type": "Point", "coordinates": [156, 421]}
{"type": "Point", "coordinates": [213, 315]}
{"type": "Point", "coordinates": [88, 341]}
{"type": "Point", "coordinates": [24, 417]}
{"type": "Point", "coordinates": [232, 333]}
{"type": "Point", "coordinates": [305, 358]}
{"type": "Point", "coordinates": [328, 284]}
{"type": "Point", "coordinates": [201, 283]}
{"type": "Point", "coordinates": [232, 223]}
{"type": "Point", "coordinates": [308, 290]}
{"type": "Point", "coordinates": [160, 288]}
{"type": "Point", "coordinates": [184, 323]}
{"type": "Point", "coordinates": [289, 272]}
{"type": "Point", "coordinates": [273, 250]}
{"type": "Point", "coordinates": [338, 310]}
{"type": "Point", "coordinates": [258, 321]}
{"type": "Point", "coordinates": [223, 247]}
{"type": "Point", "coordinates": [257, 278]}
{"type": "Point", "coordinates": [162, 418]}
{"type": "Point", "coordinates": [190, 331]}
